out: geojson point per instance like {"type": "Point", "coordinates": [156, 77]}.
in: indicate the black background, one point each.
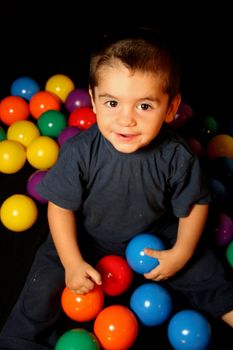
{"type": "Point", "coordinates": [43, 39]}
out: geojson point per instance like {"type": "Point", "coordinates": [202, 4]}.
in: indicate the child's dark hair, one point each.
{"type": "Point", "coordinates": [143, 49]}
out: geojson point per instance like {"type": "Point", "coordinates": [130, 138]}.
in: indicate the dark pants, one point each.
{"type": "Point", "coordinates": [32, 320]}
{"type": "Point", "coordinates": [32, 324]}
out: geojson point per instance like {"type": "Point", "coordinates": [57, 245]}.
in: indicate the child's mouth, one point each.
{"type": "Point", "coordinates": [126, 137]}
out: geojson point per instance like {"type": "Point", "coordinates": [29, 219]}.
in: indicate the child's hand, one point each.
{"type": "Point", "coordinates": [170, 262]}
{"type": "Point", "coordinates": [82, 277]}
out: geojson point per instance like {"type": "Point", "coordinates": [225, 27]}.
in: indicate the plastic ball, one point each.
{"type": "Point", "coordinates": [76, 99]}
{"type": "Point", "coordinates": [18, 212]}
{"type": "Point", "coordinates": [184, 113]}
{"type": "Point", "coordinates": [77, 339]}
{"type": "Point", "coordinates": [13, 108]}
{"type": "Point", "coordinates": [12, 156]}
{"type": "Point", "coordinates": [220, 146]}
{"type": "Point", "coordinates": [23, 131]}
{"type": "Point", "coordinates": [67, 133]}
{"type": "Point", "coordinates": [224, 229]}
{"type": "Point", "coordinates": [218, 191]}
{"type": "Point", "coordinates": [208, 127]}
{"type": "Point", "coordinates": [82, 117]}
{"type": "Point", "coordinates": [135, 255]}
{"type": "Point", "coordinates": [82, 307]}
{"type": "Point", "coordinates": [42, 153]}
{"type": "Point", "coordinates": [116, 327]}
{"type": "Point", "coordinates": [51, 123]}
{"type": "Point", "coordinates": [151, 303]}
{"type": "Point", "coordinates": [2, 134]}
{"type": "Point", "coordinates": [189, 330]}
{"type": "Point", "coordinates": [43, 101]}
{"type": "Point", "coordinates": [229, 253]}
{"type": "Point", "coordinates": [31, 184]}
{"type": "Point", "coordinates": [61, 85]}
{"type": "Point", "coordinates": [196, 146]}
{"type": "Point", "coordinates": [24, 87]}
{"type": "Point", "coordinates": [116, 274]}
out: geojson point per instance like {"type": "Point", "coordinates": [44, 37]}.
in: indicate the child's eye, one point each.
{"type": "Point", "coordinates": [144, 106]}
{"type": "Point", "coordinates": [111, 104]}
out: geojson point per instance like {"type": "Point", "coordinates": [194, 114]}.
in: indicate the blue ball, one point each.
{"type": "Point", "coordinates": [24, 87]}
{"type": "Point", "coordinates": [137, 259]}
{"type": "Point", "coordinates": [151, 303]}
{"type": "Point", "coordinates": [189, 330]}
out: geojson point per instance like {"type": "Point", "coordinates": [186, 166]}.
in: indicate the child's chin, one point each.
{"type": "Point", "coordinates": [126, 148]}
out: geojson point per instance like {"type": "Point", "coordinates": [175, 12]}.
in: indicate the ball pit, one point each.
{"type": "Point", "coordinates": [23, 141]}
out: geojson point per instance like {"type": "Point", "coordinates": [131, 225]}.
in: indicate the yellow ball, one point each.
{"type": "Point", "coordinates": [60, 85]}
{"type": "Point", "coordinates": [23, 131]}
{"type": "Point", "coordinates": [42, 152]}
{"type": "Point", "coordinates": [12, 156]}
{"type": "Point", "coordinates": [18, 212]}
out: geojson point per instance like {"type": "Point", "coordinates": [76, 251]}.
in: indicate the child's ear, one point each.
{"type": "Point", "coordinates": [92, 99]}
{"type": "Point", "coordinates": [173, 107]}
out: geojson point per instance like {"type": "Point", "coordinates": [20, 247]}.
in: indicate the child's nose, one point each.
{"type": "Point", "coordinates": [127, 118]}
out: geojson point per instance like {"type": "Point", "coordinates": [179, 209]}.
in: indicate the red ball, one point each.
{"type": "Point", "coordinates": [82, 307]}
{"type": "Point", "coordinates": [116, 274]}
{"type": "Point", "coordinates": [116, 327]}
{"type": "Point", "coordinates": [82, 118]}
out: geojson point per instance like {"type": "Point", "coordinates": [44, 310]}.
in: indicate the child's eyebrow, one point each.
{"type": "Point", "coordinates": [145, 98]}
{"type": "Point", "coordinates": [106, 95]}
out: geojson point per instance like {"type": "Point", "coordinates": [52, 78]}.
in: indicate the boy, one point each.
{"type": "Point", "coordinates": [127, 174]}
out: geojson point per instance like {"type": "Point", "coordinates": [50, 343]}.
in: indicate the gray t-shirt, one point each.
{"type": "Point", "coordinates": [119, 195]}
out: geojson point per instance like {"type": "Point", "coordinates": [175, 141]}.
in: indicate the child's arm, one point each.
{"type": "Point", "coordinates": [80, 276]}
{"type": "Point", "coordinates": [189, 232]}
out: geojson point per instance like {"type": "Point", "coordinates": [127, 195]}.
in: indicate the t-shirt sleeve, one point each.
{"type": "Point", "coordinates": [63, 183]}
{"type": "Point", "coordinates": [188, 186]}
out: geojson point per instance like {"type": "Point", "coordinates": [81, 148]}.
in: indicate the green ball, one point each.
{"type": "Point", "coordinates": [209, 126]}
{"type": "Point", "coordinates": [77, 339]}
{"type": "Point", "coordinates": [229, 253]}
{"type": "Point", "coordinates": [51, 123]}
{"type": "Point", "coordinates": [2, 134]}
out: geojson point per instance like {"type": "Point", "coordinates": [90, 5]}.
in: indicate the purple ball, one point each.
{"type": "Point", "coordinates": [183, 115]}
{"type": "Point", "coordinates": [68, 132]}
{"type": "Point", "coordinates": [32, 182]}
{"type": "Point", "coordinates": [76, 99]}
{"type": "Point", "coordinates": [224, 230]}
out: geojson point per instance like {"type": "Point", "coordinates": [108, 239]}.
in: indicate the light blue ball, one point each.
{"type": "Point", "coordinates": [151, 303]}
{"type": "Point", "coordinates": [189, 330]}
{"type": "Point", "coordinates": [137, 259]}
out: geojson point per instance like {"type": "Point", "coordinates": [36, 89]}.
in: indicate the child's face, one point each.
{"type": "Point", "coordinates": [131, 107]}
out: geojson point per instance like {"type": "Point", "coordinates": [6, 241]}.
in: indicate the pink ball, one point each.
{"type": "Point", "coordinates": [32, 182]}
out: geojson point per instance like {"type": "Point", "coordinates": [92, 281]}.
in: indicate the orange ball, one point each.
{"type": "Point", "coordinates": [116, 327]}
{"type": "Point", "coordinates": [13, 108]}
{"type": "Point", "coordinates": [43, 101]}
{"type": "Point", "coordinates": [220, 146]}
{"type": "Point", "coordinates": [82, 307]}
